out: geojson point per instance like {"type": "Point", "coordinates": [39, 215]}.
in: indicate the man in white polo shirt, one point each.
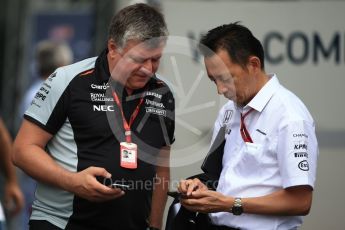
{"type": "Point", "coordinates": [270, 155]}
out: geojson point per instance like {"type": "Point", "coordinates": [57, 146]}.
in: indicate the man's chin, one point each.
{"type": "Point", "coordinates": [137, 82]}
{"type": "Point", "coordinates": [230, 97]}
{"type": "Point", "coordinates": [137, 85]}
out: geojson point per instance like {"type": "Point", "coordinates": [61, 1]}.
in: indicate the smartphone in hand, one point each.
{"type": "Point", "coordinates": [176, 194]}
{"type": "Point", "coordinates": [120, 186]}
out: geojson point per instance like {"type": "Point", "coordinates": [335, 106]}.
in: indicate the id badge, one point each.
{"type": "Point", "coordinates": [129, 153]}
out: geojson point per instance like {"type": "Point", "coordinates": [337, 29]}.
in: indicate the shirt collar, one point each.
{"type": "Point", "coordinates": [264, 95]}
{"type": "Point", "coordinates": [102, 68]}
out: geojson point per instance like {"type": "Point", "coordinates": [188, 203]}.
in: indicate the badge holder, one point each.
{"type": "Point", "coordinates": [128, 150]}
{"type": "Point", "coordinates": [129, 154]}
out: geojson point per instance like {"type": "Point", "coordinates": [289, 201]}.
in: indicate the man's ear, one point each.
{"type": "Point", "coordinates": [112, 48]}
{"type": "Point", "coordinates": [254, 64]}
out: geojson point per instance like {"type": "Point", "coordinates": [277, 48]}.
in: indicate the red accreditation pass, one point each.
{"type": "Point", "coordinates": [129, 155]}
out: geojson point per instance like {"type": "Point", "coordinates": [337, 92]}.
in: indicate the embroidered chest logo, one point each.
{"type": "Point", "coordinates": [227, 116]}
{"type": "Point", "coordinates": [226, 120]}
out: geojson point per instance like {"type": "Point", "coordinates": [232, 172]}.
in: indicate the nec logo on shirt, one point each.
{"type": "Point", "coordinates": [103, 108]}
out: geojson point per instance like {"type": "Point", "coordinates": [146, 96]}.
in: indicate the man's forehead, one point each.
{"type": "Point", "coordinates": [215, 66]}
{"type": "Point", "coordinates": [152, 43]}
{"type": "Point", "coordinates": [214, 62]}
{"type": "Point", "coordinates": [144, 48]}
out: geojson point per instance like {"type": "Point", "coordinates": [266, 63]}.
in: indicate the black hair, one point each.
{"type": "Point", "coordinates": [237, 40]}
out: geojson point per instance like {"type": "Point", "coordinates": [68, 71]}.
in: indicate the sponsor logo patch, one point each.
{"type": "Point", "coordinates": [228, 130]}
{"type": "Point", "coordinates": [303, 165]}
{"type": "Point", "coordinates": [50, 78]}
{"type": "Point", "coordinates": [40, 95]}
{"type": "Point", "coordinates": [103, 108]}
{"type": "Point", "coordinates": [47, 85]}
{"type": "Point", "coordinates": [301, 154]}
{"type": "Point", "coordinates": [100, 97]}
{"type": "Point", "coordinates": [154, 103]}
{"type": "Point", "coordinates": [101, 87]}
{"type": "Point", "coordinates": [44, 90]}
{"type": "Point", "coordinates": [160, 112]}
{"type": "Point", "coordinates": [35, 104]}
{"type": "Point", "coordinates": [149, 93]}
{"type": "Point", "coordinates": [227, 116]}
{"type": "Point", "coordinates": [300, 135]}
{"type": "Point", "coordinates": [300, 145]}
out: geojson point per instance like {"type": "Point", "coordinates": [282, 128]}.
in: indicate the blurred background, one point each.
{"type": "Point", "coordinates": [304, 43]}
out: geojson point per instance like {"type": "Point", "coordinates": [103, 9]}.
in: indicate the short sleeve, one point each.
{"type": "Point", "coordinates": [49, 106]}
{"type": "Point", "coordinates": [298, 153]}
{"type": "Point", "coordinates": [169, 119]}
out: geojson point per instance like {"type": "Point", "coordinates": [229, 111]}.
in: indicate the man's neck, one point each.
{"type": "Point", "coordinates": [129, 91]}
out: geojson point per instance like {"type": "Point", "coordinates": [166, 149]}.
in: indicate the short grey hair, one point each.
{"type": "Point", "coordinates": [139, 22]}
{"type": "Point", "coordinates": [51, 55]}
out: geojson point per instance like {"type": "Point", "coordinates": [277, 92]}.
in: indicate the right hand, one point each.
{"type": "Point", "coordinates": [86, 185]}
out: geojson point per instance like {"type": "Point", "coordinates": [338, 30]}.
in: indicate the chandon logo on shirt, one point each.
{"type": "Point", "coordinates": [300, 135]}
{"type": "Point", "coordinates": [102, 87]}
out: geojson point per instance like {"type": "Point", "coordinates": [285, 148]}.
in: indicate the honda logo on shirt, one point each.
{"type": "Point", "coordinates": [227, 116]}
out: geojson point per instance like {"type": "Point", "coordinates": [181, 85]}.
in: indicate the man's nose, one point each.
{"type": "Point", "coordinates": [147, 67]}
{"type": "Point", "coordinates": [221, 88]}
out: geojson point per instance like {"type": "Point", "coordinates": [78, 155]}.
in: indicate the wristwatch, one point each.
{"type": "Point", "coordinates": [237, 208]}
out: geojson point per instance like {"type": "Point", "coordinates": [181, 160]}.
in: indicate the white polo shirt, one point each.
{"type": "Point", "coordinates": [283, 153]}
{"type": "Point", "coordinates": [2, 216]}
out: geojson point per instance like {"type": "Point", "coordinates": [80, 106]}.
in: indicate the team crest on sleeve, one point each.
{"type": "Point", "coordinates": [50, 78]}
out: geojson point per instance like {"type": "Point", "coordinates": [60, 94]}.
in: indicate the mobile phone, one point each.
{"type": "Point", "coordinates": [121, 186]}
{"type": "Point", "coordinates": [176, 194]}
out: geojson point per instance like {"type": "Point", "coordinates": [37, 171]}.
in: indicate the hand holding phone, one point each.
{"type": "Point", "coordinates": [120, 186]}
{"type": "Point", "coordinates": [176, 194]}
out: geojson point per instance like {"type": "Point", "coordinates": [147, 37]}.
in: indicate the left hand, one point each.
{"type": "Point", "coordinates": [207, 201]}
{"type": "Point", "coordinates": [14, 199]}
{"type": "Point", "coordinates": [186, 187]}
